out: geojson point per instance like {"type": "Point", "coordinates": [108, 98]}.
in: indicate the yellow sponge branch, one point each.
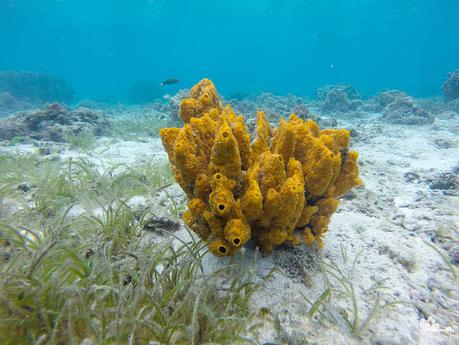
{"type": "Point", "coordinates": [279, 188]}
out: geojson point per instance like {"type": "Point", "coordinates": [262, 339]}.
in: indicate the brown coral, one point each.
{"type": "Point", "coordinates": [281, 188]}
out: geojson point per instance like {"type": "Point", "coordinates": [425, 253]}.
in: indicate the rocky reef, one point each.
{"type": "Point", "coordinates": [403, 110]}
{"type": "Point", "coordinates": [276, 107]}
{"type": "Point", "coordinates": [35, 87]}
{"type": "Point", "coordinates": [341, 97]}
{"type": "Point", "coordinates": [451, 86]}
{"type": "Point", "coordinates": [54, 123]}
{"type": "Point", "coordinates": [282, 187]}
{"type": "Point", "coordinates": [273, 106]}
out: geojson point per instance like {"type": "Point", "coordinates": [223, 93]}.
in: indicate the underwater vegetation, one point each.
{"type": "Point", "coordinates": [97, 278]}
{"type": "Point", "coordinates": [35, 87]}
{"type": "Point", "coordinates": [280, 188]}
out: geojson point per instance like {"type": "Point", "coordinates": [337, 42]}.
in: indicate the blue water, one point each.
{"type": "Point", "coordinates": [284, 46]}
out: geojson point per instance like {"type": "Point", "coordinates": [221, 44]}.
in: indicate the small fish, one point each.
{"type": "Point", "coordinates": [170, 81]}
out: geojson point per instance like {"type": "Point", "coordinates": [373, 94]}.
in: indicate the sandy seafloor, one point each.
{"type": "Point", "coordinates": [387, 222]}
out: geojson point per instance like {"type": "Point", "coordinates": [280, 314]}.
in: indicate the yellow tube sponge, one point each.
{"type": "Point", "coordinates": [284, 141]}
{"type": "Point", "coordinates": [272, 172]}
{"type": "Point", "coordinates": [261, 142]}
{"type": "Point", "coordinates": [185, 158]}
{"type": "Point", "coordinates": [279, 188]}
{"type": "Point", "coordinates": [202, 187]}
{"type": "Point", "coordinates": [221, 201]}
{"type": "Point", "coordinates": [239, 130]}
{"type": "Point", "coordinates": [220, 247]}
{"type": "Point", "coordinates": [318, 166]}
{"type": "Point", "coordinates": [349, 175]}
{"type": "Point", "coordinates": [252, 200]}
{"type": "Point", "coordinates": [216, 224]}
{"type": "Point", "coordinates": [306, 215]}
{"type": "Point", "coordinates": [203, 98]}
{"type": "Point", "coordinates": [225, 157]}
{"type": "Point", "coordinates": [168, 137]}
{"type": "Point", "coordinates": [237, 232]}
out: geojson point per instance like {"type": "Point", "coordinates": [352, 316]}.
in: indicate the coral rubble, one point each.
{"type": "Point", "coordinates": [54, 123]}
{"type": "Point", "coordinates": [451, 86]}
{"type": "Point", "coordinates": [282, 187]}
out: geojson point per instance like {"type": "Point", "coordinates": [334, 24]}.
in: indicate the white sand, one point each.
{"type": "Point", "coordinates": [387, 221]}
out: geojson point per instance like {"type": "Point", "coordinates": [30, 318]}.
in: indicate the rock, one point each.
{"type": "Point", "coordinates": [410, 177]}
{"type": "Point", "coordinates": [55, 123]}
{"type": "Point", "coordinates": [155, 218]}
{"type": "Point", "coordinates": [443, 144]}
{"type": "Point", "coordinates": [445, 181]}
{"type": "Point", "coordinates": [341, 98]}
{"type": "Point", "coordinates": [301, 111]}
{"type": "Point", "coordinates": [274, 106]}
{"type": "Point", "coordinates": [161, 222]}
{"type": "Point", "coordinates": [404, 110]}
{"type": "Point", "coordinates": [348, 90]}
{"type": "Point", "coordinates": [451, 86]}
{"type": "Point", "coordinates": [25, 187]}
{"type": "Point", "coordinates": [44, 151]}
{"type": "Point", "coordinates": [453, 105]}
{"type": "Point", "coordinates": [386, 97]}
{"type": "Point", "coordinates": [448, 115]}
{"type": "Point", "coordinates": [247, 107]}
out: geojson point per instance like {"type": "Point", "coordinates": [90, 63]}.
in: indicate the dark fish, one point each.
{"type": "Point", "coordinates": [170, 81]}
